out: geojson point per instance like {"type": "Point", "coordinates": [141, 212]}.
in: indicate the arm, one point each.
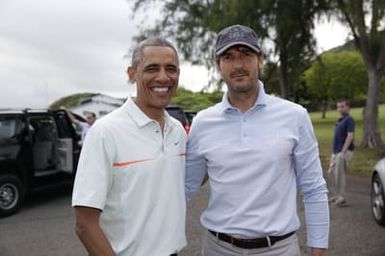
{"type": "Point", "coordinates": [350, 134]}
{"type": "Point", "coordinates": [72, 117]}
{"type": "Point", "coordinates": [196, 174]}
{"type": "Point", "coordinates": [89, 231]}
{"type": "Point", "coordinates": [313, 187]}
{"type": "Point", "coordinates": [348, 141]}
{"type": "Point", "coordinates": [92, 182]}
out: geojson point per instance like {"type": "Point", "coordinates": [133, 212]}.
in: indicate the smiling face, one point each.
{"type": "Point", "coordinates": [239, 67]}
{"type": "Point", "coordinates": [156, 77]}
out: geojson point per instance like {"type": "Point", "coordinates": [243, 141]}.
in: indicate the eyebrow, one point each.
{"type": "Point", "coordinates": [154, 65]}
{"type": "Point", "coordinates": [172, 66]}
{"type": "Point", "coordinates": [151, 66]}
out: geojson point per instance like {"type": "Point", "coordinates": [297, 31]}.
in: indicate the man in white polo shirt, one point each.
{"type": "Point", "coordinates": [129, 187]}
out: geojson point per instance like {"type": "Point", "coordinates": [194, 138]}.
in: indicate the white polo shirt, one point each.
{"type": "Point", "coordinates": [135, 175]}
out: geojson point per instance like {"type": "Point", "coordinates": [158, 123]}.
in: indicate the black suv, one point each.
{"type": "Point", "coordinates": [38, 148]}
{"type": "Point", "coordinates": [178, 113]}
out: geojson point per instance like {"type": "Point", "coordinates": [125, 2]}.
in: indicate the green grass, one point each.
{"type": "Point", "coordinates": [363, 159]}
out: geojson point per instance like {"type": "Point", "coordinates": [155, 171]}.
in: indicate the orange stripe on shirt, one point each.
{"type": "Point", "coordinates": [122, 164]}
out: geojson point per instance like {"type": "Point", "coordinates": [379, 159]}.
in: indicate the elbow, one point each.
{"type": "Point", "coordinates": [86, 220]}
{"type": "Point", "coordinates": [80, 228]}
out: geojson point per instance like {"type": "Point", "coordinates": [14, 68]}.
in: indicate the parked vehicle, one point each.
{"type": "Point", "coordinates": [378, 192]}
{"type": "Point", "coordinates": [38, 148]}
{"type": "Point", "coordinates": [178, 113]}
{"type": "Point", "coordinates": [190, 115]}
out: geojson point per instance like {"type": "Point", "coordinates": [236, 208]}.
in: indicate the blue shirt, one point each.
{"type": "Point", "coordinates": [255, 161]}
{"type": "Point", "coordinates": [344, 125]}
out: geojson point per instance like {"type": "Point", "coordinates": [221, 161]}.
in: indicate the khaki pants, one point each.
{"type": "Point", "coordinates": [212, 246]}
{"type": "Point", "coordinates": [337, 172]}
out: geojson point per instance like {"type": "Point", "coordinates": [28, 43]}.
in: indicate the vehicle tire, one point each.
{"type": "Point", "coordinates": [11, 195]}
{"type": "Point", "coordinates": [378, 198]}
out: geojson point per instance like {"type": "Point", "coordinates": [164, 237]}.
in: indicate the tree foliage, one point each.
{"type": "Point", "coordinates": [195, 101]}
{"type": "Point", "coordinates": [71, 100]}
{"type": "Point", "coordinates": [285, 26]}
{"type": "Point", "coordinates": [336, 75]}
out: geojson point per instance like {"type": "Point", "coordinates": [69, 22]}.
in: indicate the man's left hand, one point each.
{"type": "Point", "coordinates": [318, 252]}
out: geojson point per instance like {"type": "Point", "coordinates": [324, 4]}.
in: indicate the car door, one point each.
{"type": "Point", "coordinates": [68, 149]}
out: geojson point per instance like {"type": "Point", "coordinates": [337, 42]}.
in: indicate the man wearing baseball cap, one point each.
{"type": "Point", "coordinates": [256, 149]}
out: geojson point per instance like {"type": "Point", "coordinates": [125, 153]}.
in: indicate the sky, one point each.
{"type": "Point", "coordinates": [54, 48]}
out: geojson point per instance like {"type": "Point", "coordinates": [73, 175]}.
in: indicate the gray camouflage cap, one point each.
{"type": "Point", "coordinates": [236, 35]}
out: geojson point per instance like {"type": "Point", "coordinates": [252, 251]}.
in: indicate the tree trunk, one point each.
{"type": "Point", "coordinates": [371, 134]}
{"type": "Point", "coordinates": [283, 75]}
{"type": "Point", "coordinates": [324, 108]}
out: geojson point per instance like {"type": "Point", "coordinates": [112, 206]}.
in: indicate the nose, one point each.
{"type": "Point", "coordinates": [162, 76]}
{"type": "Point", "coordinates": [237, 63]}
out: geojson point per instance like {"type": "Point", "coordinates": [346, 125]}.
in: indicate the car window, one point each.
{"type": "Point", "coordinates": [10, 127]}
{"type": "Point", "coordinates": [44, 128]}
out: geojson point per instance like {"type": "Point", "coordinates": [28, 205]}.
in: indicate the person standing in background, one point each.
{"type": "Point", "coordinates": [83, 126]}
{"type": "Point", "coordinates": [343, 147]}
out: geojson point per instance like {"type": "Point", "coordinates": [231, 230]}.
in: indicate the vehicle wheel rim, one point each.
{"type": "Point", "coordinates": [378, 200]}
{"type": "Point", "coordinates": [9, 196]}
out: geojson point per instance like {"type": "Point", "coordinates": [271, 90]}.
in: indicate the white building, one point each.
{"type": "Point", "coordinates": [99, 104]}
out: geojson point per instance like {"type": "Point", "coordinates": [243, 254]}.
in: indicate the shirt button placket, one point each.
{"type": "Point", "coordinates": [159, 136]}
{"type": "Point", "coordinates": [243, 128]}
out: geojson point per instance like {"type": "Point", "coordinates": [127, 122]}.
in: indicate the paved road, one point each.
{"type": "Point", "coordinates": [353, 232]}
{"type": "Point", "coordinates": [44, 227]}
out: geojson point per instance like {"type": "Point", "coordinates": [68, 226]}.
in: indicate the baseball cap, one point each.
{"type": "Point", "coordinates": [236, 35]}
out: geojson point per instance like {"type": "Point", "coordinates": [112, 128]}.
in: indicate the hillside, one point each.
{"type": "Point", "coordinates": [71, 100]}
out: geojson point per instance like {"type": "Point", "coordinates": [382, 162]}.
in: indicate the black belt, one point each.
{"type": "Point", "coordinates": [250, 243]}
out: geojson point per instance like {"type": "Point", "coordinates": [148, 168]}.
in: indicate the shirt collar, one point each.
{"type": "Point", "coordinates": [225, 105]}
{"type": "Point", "coordinates": [139, 116]}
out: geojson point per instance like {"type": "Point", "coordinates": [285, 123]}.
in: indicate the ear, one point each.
{"type": "Point", "coordinates": [131, 74]}
{"type": "Point", "coordinates": [260, 61]}
{"type": "Point", "coordinates": [218, 66]}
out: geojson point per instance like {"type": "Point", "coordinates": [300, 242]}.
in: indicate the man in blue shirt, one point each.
{"type": "Point", "coordinates": [343, 147]}
{"type": "Point", "coordinates": [255, 150]}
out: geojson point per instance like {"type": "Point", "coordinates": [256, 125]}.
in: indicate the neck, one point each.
{"type": "Point", "coordinates": [243, 100]}
{"type": "Point", "coordinates": [156, 114]}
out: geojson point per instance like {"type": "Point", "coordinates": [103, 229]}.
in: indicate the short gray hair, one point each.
{"type": "Point", "coordinates": [138, 50]}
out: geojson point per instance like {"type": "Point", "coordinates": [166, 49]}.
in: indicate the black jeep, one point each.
{"type": "Point", "coordinates": [38, 148]}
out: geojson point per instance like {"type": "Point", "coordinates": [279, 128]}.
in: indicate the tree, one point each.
{"type": "Point", "coordinates": [195, 101]}
{"type": "Point", "coordinates": [366, 20]}
{"type": "Point", "coordinates": [286, 24]}
{"type": "Point", "coordinates": [292, 24]}
{"type": "Point", "coordinates": [335, 75]}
